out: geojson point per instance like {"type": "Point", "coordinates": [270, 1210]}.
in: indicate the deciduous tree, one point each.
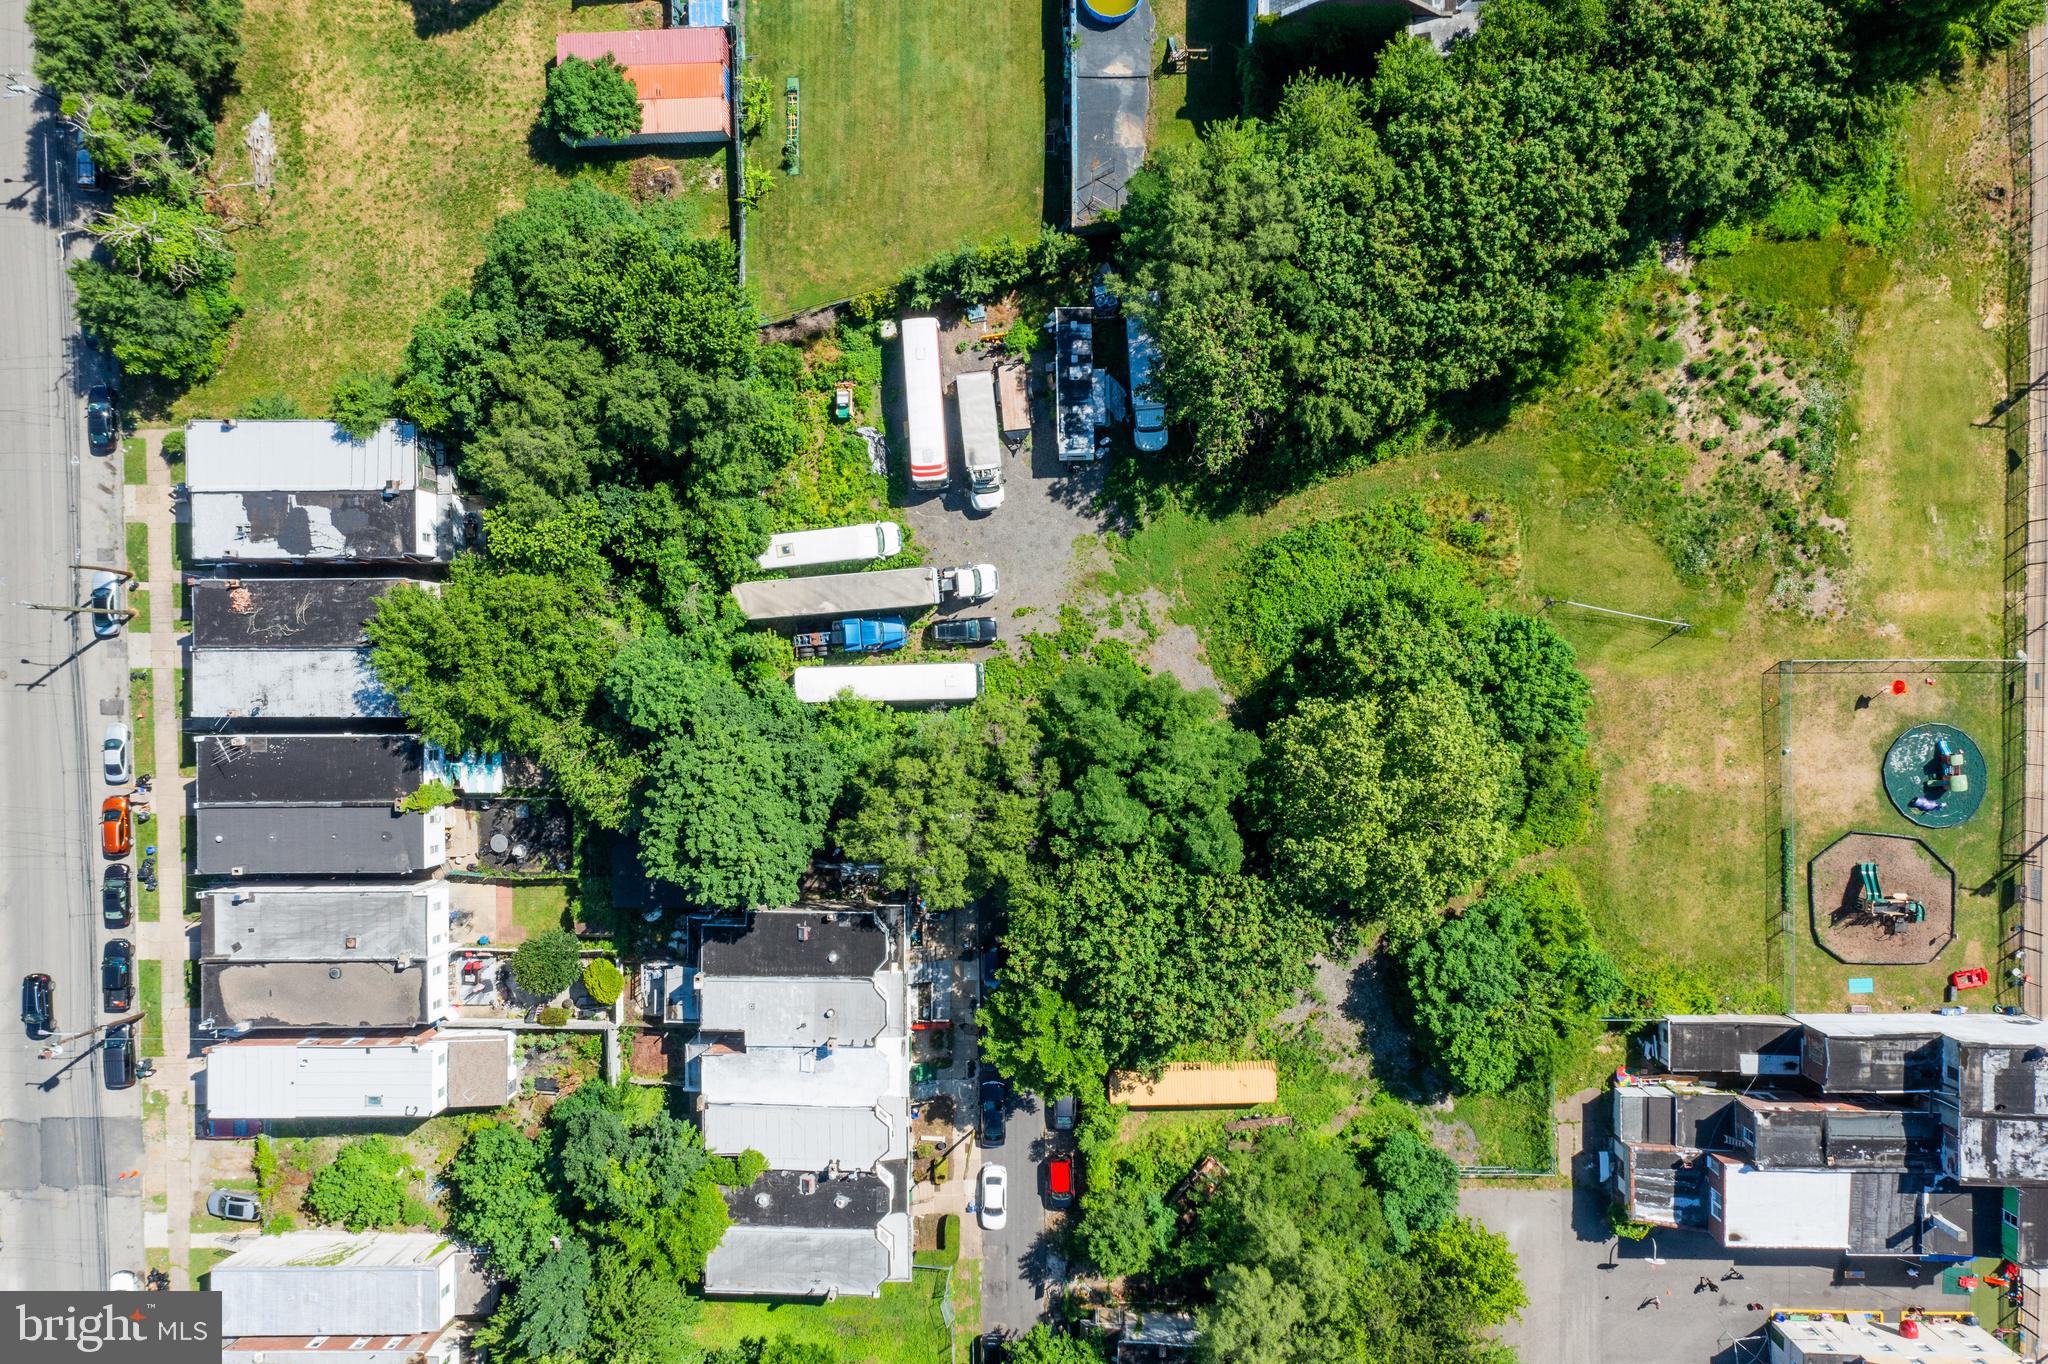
{"type": "Point", "coordinates": [590, 101]}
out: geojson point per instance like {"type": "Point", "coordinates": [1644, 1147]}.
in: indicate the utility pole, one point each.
{"type": "Point", "coordinates": [55, 1049]}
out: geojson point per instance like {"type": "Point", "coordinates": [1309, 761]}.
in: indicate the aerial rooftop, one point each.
{"type": "Point", "coordinates": [324, 922]}
{"type": "Point", "coordinates": [288, 684]}
{"type": "Point", "coordinates": [318, 840]}
{"type": "Point", "coordinates": [308, 769]}
{"type": "Point", "coordinates": [298, 456]}
{"type": "Point", "coordinates": [236, 996]}
{"type": "Point", "coordinates": [284, 613]}
{"type": "Point", "coordinates": [362, 527]}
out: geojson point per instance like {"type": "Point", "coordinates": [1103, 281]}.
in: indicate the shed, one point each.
{"type": "Point", "coordinates": [683, 77]}
{"type": "Point", "coordinates": [1233, 1084]}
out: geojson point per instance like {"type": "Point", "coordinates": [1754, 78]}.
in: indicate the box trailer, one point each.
{"type": "Point", "coordinates": [981, 447]}
{"type": "Point", "coordinates": [1013, 402]}
{"type": "Point", "coordinates": [860, 594]}
{"type": "Point", "coordinates": [923, 409]}
{"type": "Point", "coordinates": [863, 543]}
{"type": "Point", "coordinates": [895, 684]}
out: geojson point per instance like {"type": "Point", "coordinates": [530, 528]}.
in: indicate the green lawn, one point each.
{"type": "Point", "coordinates": [149, 976]}
{"type": "Point", "coordinates": [134, 461]}
{"type": "Point", "coordinates": [923, 128]}
{"type": "Point", "coordinates": [188, 761]}
{"type": "Point", "coordinates": [902, 1326]}
{"type": "Point", "coordinates": [537, 909]}
{"type": "Point", "coordinates": [138, 549]}
{"type": "Point", "coordinates": [1675, 866]}
{"type": "Point", "coordinates": [403, 131]}
{"type": "Point", "coordinates": [138, 602]}
{"type": "Point", "coordinates": [142, 709]}
{"type": "Point", "coordinates": [202, 1262]}
{"type": "Point", "coordinates": [1182, 104]}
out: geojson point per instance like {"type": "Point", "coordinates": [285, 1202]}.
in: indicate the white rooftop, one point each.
{"type": "Point", "coordinates": [1786, 1209]}
{"type": "Point", "coordinates": [1998, 1030]}
{"type": "Point", "coordinates": [810, 1262]}
{"type": "Point", "coordinates": [331, 922]}
{"type": "Point", "coordinates": [786, 1011]}
{"type": "Point", "coordinates": [298, 456]}
{"type": "Point", "coordinates": [844, 1077]}
{"type": "Point", "coordinates": [306, 1283]}
{"type": "Point", "coordinates": [294, 684]}
{"type": "Point", "coordinates": [1939, 1341]}
{"type": "Point", "coordinates": [307, 1078]}
{"type": "Point", "coordinates": [807, 1137]}
{"type": "Point", "coordinates": [349, 526]}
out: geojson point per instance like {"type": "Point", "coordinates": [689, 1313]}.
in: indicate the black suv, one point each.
{"type": "Point", "coordinates": [38, 1005]}
{"type": "Point", "coordinates": [117, 972]}
{"type": "Point", "coordinates": [995, 1097]}
{"type": "Point", "coordinates": [117, 1057]}
{"type": "Point", "coordinates": [99, 419]}
{"type": "Point", "coordinates": [116, 897]}
{"type": "Point", "coordinates": [969, 630]}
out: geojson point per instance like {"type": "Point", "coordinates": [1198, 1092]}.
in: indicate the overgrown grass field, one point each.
{"type": "Point", "coordinates": [923, 129]}
{"type": "Point", "coordinates": [903, 1326]}
{"type": "Point", "coordinates": [1676, 864]}
{"type": "Point", "coordinates": [402, 132]}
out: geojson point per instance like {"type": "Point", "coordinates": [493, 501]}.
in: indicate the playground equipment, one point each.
{"type": "Point", "coordinates": [842, 401]}
{"type": "Point", "coordinates": [1969, 978]}
{"type": "Point", "coordinates": [792, 147]}
{"type": "Point", "coordinates": [1894, 909]}
{"type": "Point", "coordinates": [1179, 54]}
{"type": "Point", "coordinates": [1109, 11]}
{"type": "Point", "coordinates": [1935, 775]}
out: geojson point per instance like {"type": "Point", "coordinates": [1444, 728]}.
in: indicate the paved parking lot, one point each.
{"type": "Point", "coordinates": [1589, 1291]}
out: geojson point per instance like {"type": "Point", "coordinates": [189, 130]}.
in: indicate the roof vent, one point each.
{"type": "Point", "coordinates": [334, 973]}
{"type": "Point", "coordinates": [807, 1184]}
{"type": "Point", "coordinates": [803, 932]}
{"type": "Point", "coordinates": [349, 943]}
{"type": "Point", "coordinates": [761, 1199]}
{"type": "Point", "coordinates": [842, 1202]}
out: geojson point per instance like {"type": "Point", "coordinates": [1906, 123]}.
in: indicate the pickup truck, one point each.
{"type": "Point", "coordinates": [854, 635]}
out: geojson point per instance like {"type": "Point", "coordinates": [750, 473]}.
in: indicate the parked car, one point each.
{"type": "Point", "coordinates": [230, 1129]}
{"type": "Point", "coordinates": [1059, 1182]}
{"type": "Point", "coordinates": [39, 1005]}
{"type": "Point", "coordinates": [117, 756]}
{"type": "Point", "coordinates": [994, 1197]}
{"type": "Point", "coordinates": [117, 1057]}
{"type": "Point", "coordinates": [100, 426]}
{"type": "Point", "coordinates": [995, 1097]}
{"type": "Point", "coordinates": [117, 976]}
{"type": "Point", "coordinates": [1059, 1114]}
{"type": "Point", "coordinates": [106, 604]}
{"type": "Point", "coordinates": [232, 1205]}
{"type": "Point", "coordinates": [991, 965]}
{"type": "Point", "coordinates": [117, 897]}
{"type": "Point", "coordinates": [967, 630]}
{"type": "Point", "coordinates": [117, 836]}
{"type": "Point", "coordinates": [85, 173]}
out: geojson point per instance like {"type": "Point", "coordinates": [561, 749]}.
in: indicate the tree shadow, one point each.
{"type": "Point", "coordinates": [432, 18]}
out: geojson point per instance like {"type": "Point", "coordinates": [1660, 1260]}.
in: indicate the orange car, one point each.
{"type": "Point", "coordinates": [116, 837]}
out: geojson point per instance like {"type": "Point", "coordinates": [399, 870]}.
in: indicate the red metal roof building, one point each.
{"type": "Point", "coordinates": [682, 75]}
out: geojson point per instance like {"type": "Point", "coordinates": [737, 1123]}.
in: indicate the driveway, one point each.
{"type": "Point", "coordinates": [1020, 1263]}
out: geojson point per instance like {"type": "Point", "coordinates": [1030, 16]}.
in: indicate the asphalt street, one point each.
{"type": "Point", "coordinates": [1019, 1263]}
{"type": "Point", "coordinates": [68, 1218]}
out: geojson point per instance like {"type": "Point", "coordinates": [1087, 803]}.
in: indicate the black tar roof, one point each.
{"type": "Point", "coordinates": [788, 942]}
{"type": "Point", "coordinates": [777, 1199]}
{"type": "Point", "coordinates": [307, 769]}
{"type": "Point", "coordinates": [284, 613]}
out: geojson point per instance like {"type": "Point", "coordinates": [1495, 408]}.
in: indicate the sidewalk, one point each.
{"type": "Point", "coordinates": [167, 941]}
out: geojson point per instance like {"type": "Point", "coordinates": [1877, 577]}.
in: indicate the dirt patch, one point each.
{"type": "Point", "coordinates": [1854, 928]}
{"type": "Point", "coordinates": [1456, 1140]}
{"type": "Point", "coordinates": [658, 1055]}
{"type": "Point", "coordinates": [1353, 1012]}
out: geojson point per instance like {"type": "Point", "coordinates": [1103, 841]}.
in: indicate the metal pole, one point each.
{"type": "Point", "coordinates": [1680, 625]}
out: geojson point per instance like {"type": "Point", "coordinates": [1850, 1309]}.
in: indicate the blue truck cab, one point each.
{"type": "Point", "coordinates": [853, 635]}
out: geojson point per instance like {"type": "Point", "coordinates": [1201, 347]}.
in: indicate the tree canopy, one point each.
{"type": "Point", "coordinates": [590, 101]}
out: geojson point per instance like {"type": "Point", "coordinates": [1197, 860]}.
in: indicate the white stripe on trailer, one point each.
{"type": "Point", "coordinates": [891, 683]}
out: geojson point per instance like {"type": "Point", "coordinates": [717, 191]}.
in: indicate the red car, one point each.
{"type": "Point", "coordinates": [1059, 1182]}
{"type": "Point", "coordinates": [116, 835]}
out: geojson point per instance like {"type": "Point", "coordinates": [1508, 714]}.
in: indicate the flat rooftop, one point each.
{"type": "Point", "coordinates": [307, 769]}
{"type": "Point", "coordinates": [809, 1262]}
{"type": "Point", "coordinates": [307, 1283]}
{"type": "Point", "coordinates": [284, 613]}
{"type": "Point", "coordinates": [773, 1012]}
{"type": "Point", "coordinates": [790, 942]}
{"type": "Point", "coordinates": [369, 994]}
{"type": "Point", "coordinates": [777, 1199]}
{"type": "Point", "coordinates": [328, 923]}
{"type": "Point", "coordinates": [298, 456]}
{"type": "Point", "coordinates": [315, 840]}
{"type": "Point", "coordinates": [481, 1070]}
{"type": "Point", "coordinates": [288, 684]}
{"type": "Point", "coordinates": [284, 527]}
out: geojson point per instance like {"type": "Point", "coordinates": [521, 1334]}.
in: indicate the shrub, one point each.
{"type": "Point", "coordinates": [431, 795]}
{"type": "Point", "coordinates": [279, 1224]}
{"type": "Point", "coordinates": [545, 964]}
{"type": "Point", "coordinates": [1618, 1218]}
{"type": "Point", "coordinates": [265, 1163]}
{"type": "Point", "coordinates": [361, 403]}
{"type": "Point", "coordinates": [364, 1186]}
{"type": "Point", "coordinates": [271, 407]}
{"type": "Point", "coordinates": [603, 982]}
{"type": "Point", "coordinates": [553, 1017]}
{"type": "Point", "coordinates": [738, 1172]}
{"type": "Point", "coordinates": [588, 101]}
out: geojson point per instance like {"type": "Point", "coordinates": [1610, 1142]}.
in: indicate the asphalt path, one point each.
{"type": "Point", "coordinates": [68, 1216]}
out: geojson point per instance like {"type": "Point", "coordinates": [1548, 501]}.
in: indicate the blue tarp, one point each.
{"type": "Point", "coordinates": [709, 14]}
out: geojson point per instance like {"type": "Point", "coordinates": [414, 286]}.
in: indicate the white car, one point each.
{"type": "Point", "coordinates": [116, 757]}
{"type": "Point", "coordinates": [995, 1197]}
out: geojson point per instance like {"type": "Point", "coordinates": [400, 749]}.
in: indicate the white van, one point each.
{"type": "Point", "coordinates": [981, 447]}
{"type": "Point", "coordinates": [865, 543]}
